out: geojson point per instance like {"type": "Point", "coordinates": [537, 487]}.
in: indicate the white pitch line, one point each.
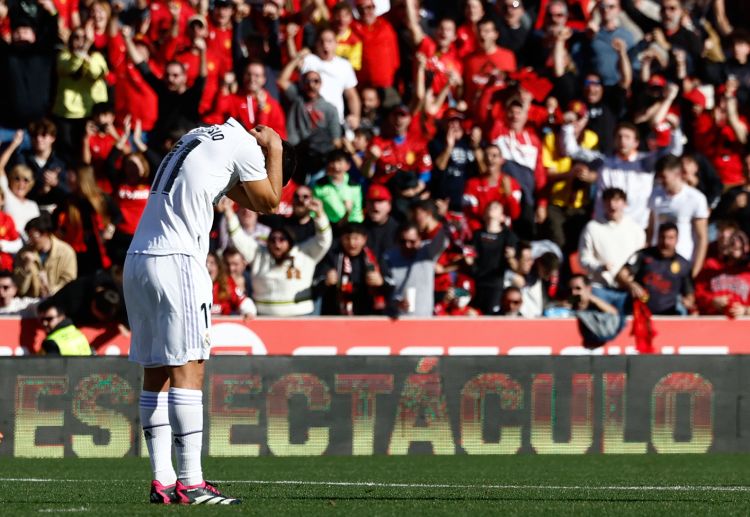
{"type": "Point", "coordinates": [375, 484]}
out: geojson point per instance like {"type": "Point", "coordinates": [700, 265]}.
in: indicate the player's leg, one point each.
{"type": "Point", "coordinates": [186, 418]}
{"type": "Point", "coordinates": [186, 385]}
{"type": "Point", "coordinates": [158, 433]}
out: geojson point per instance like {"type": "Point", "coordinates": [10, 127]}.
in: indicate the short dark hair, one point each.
{"type": "Point", "coordinates": [107, 301]}
{"type": "Point", "coordinates": [427, 205]}
{"type": "Point", "coordinates": [230, 250]}
{"type": "Point", "coordinates": [585, 278]}
{"type": "Point", "coordinates": [336, 155]}
{"type": "Point", "coordinates": [289, 168]}
{"type": "Point", "coordinates": [407, 226]}
{"type": "Point", "coordinates": [629, 126]}
{"type": "Point", "coordinates": [100, 108]}
{"type": "Point", "coordinates": [613, 192]}
{"type": "Point", "coordinates": [487, 19]}
{"type": "Point", "coordinates": [48, 304]}
{"type": "Point", "coordinates": [667, 162]}
{"type": "Point", "coordinates": [341, 6]}
{"type": "Point", "coordinates": [42, 224]}
{"type": "Point", "coordinates": [669, 225]}
{"type": "Point", "coordinates": [354, 228]}
{"type": "Point", "coordinates": [42, 127]}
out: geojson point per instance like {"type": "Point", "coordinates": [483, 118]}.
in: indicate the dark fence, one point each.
{"type": "Point", "coordinates": [88, 407]}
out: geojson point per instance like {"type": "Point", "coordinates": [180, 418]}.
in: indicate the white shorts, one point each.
{"type": "Point", "coordinates": [168, 298]}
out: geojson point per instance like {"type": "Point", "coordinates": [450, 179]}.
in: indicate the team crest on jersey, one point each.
{"type": "Point", "coordinates": [207, 339]}
{"type": "Point", "coordinates": [675, 267]}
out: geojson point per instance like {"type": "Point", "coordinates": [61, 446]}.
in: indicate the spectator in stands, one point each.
{"type": "Point", "coordinates": [282, 273]}
{"type": "Point", "coordinates": [253, 105]}
{"type": "Point", "coordinates": [27, 66]}
{"type": "Point", "coordinates": [441, 61]}
{"type": "Point", "coordinates": [738, 64]}
{"type": "Point", "coordinates": [236, 268]}
{"type": "Point", "coordinates": [299, 222]}
{"type": "Point", "coordinates": [467, 37]}
{"type": "Point", "coordinates": [672, 33]}
{"type": "Point", "coordinates": [95, 299]}
{"type": "Point", "coordinates": [495, 246]}
{"type": "Point", "coordinates": [569, 182]}
{"type": "Point", "coordinates": [131, 186]}
{"type": "Point", "coordinates": [81, 83]}
{"type": "Point", "coordinates": [453, 157]}
{"type": "Point", "coordinates": [488, 63]}
{"type": "Point", "coordinates": [16, 185]}
{"type": "Point", "coordinates": [457, 298]}
{"type": "Point", "coordinates": [340, 194]}
{"type": "Point", "coordinates": [628, 169]}
{"type": "Point", "coordinates": [735, 206]}
{"type": "Point", "coordinates": [537, 280]}
{"type": "Point", "coordinates": [86, 220]}
{"type": "Point", "coordinates": [10, 303]}
{"type": "Point", "coordinates": [42, 159]}
{"type": "Point", "coordinates": [723, 287]}
{"type": "Point", "coordinates": [676, 201]}
{"type": "Point", "coordinates": [606, 245]}
{"type": "Point", "coordinates": [178, 104]}
{"type": "Point", "coordinates": [353, 278]}
{"type": "Point", "coordinates": [380, 50]}
{"type": "Point", "coordinates": [722, 133]}
{"type": "Point", "coordinates": [397, 149]}
{"type": "Point", "coordinates": [603, 52]}
{"type": "Point", "coordinates": [492, 185]}
{"type": "Point", "coordinates": [348, 42]}
{"type": "Point", "coordinates": [515, 27]}
{"type": "Point", "coordinates": [10, 240]}
{"type": "Point", "coordinates": [522, 151]}
{"type": "Point", "coordinates": [187, 50]}
{"type": "Point", "coordinates": [338, 82]}
{"type": "Point", "coordinates": [381, 227]}
{"type": "Point", "coordinates": [312, 122]}
{"type": "Point", "coordinates": [132, 95]}
{"type": "Point", "coordinates": [227, 298]}
{"type": "Point", "coordinates": [511, 302]}
{"type": "Point", "coordinates": [660, 276]}
{"type": "Point", "coordinates": [63, 338]}
{"type": "Point", "coordinates": [582, 297]}
{"type": "Point", "coordinates": [410, 272]}
{"type": "Point", "coordinates": [603, 111]}
{"type": "Point", "coordinates": [99, 138]}
{"type": "Point", "coordinates": [45, 264]}
{"type": "Point", "coordinates": [698, 172]}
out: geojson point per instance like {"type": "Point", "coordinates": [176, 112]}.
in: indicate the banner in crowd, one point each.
{"type": "Point", "coordinates": [437, 336]}
{"type": "Point", "coordinates": [285, 406]}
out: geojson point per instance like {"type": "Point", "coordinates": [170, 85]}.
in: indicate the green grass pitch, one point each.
{"type": "Point", "coordinates": [407, 485]}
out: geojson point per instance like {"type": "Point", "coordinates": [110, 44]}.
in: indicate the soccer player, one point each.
{"type": "Point", "coordinates": [168, 291]}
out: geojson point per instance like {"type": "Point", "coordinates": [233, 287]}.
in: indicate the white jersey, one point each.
{"type": "Point", "coordinates": [201, 167]}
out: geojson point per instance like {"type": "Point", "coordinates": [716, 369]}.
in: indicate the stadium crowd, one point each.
{"type": "Point", "coordinates": [514, 157]}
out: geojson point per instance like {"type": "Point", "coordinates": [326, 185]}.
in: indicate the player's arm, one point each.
{"type": "Point", "coordinates": [262, 195]}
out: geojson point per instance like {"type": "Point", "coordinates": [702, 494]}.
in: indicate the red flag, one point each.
{"type": "Point", "coordinates": [643, 328]}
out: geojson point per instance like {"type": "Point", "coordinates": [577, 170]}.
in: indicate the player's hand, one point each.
{"type": "Point", "coordinates": [267, 138]}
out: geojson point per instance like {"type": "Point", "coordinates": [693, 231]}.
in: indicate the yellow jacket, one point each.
{"type": "Point", "coordinates": [80, 84]}
{"type": "Point", "coordinates": [565, 192]}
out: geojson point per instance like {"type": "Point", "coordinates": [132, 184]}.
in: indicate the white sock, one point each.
{"type": "Point", "coordinates": [186, 417]}
{"type": "Point", "coordinates": [158, 433]}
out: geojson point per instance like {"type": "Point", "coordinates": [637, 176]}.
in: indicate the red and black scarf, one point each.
{"type": "Point", "coordinates": [346, 287]}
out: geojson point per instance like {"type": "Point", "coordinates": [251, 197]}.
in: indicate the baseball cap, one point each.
{"type": "Point", "coordinates": [379, 192]}
{"type": "Point", "coordinates": [222, 3]}
{"type": "Point", "coordinates": [453, 114]}
{"type": "Point", "coordinates": [696, 97]}
{"type": "Point", "coordinates": [657, 81]}
{"type": "Point", "coordinates": [401, 108]}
